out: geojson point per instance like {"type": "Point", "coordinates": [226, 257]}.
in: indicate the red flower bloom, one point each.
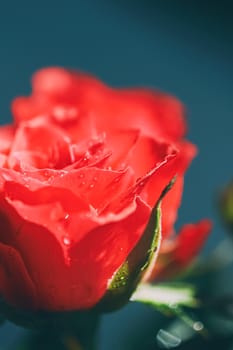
{"type": "Point", "coordinates": [80, 170]}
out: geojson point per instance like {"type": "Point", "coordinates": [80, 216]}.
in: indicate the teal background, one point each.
{"type": "Point", "coordinates": [182, 47]}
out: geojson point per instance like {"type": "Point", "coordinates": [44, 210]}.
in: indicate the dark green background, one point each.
{"type": "Point", "coordinates": [183, 47]}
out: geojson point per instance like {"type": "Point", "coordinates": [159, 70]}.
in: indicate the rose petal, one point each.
{"type": "Point", "coordinates": [16, 285]}
{"type": "Point", "coordinates": [164, 157]}
{"type": "Point", "coordinates": [52, 81]}
{"type": "Point", "coordinates": [122, 144]}
{"type": "Point", "coordinates": [69, 284]}
{"type": "Point", "coordinates": [27, 108]}
{"type": "Point", "coordinates": [97, 187]}
{"type": "Point", "coordinates": [110, 245]}
{"type": "Point", "coordinates": [190, 240]}
{"type": "Point", "coordinates": [44, 195]}
{"type": "Point", "coordinates": [155, 114]}
{"type": "Point", "coordinates": [172, 200]}
{"type": "Point", "coordinates": [146, 154]}
{"type": "Point", "coordinates": [6, 138]}
{"type": "Point", "coordinates": [42, 138]}
{"type": "Point", "coordinates": [177, 253]}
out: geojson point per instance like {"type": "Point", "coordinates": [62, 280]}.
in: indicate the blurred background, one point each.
{"type": "Point", "coordinates": [182, 47]}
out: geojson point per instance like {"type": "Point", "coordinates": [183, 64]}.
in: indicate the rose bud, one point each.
{"type": "Point", "coordinates": [81, 169]}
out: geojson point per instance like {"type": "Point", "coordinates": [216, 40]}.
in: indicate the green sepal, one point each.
{"type": "Point", "coordinates": [137, 264]}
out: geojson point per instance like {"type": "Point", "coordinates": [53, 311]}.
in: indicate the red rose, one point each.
{"type": "Point", "coordinates": [80, 170]}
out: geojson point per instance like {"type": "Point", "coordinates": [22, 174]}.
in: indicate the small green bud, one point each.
{"type": "Point", "coordinates": [226, 206]}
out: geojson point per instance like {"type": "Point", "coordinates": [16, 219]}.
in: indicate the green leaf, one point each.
{"type": "Point", "coordinates": [171, 300]}
{"type": "Point", "coordinates": [167, 295]}
{"type": "Point", "coordinates": [137, 264]}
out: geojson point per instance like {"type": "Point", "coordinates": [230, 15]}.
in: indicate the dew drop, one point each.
{"type": "Point", "coordinates": [198, 326]}
{"type": "Point", "coordinates": [66, 240]}
{"type": "Point", "coordinates": [67, 216]}
{"type": "Point", "coordinates": [166, 340]}
{"type": "Point", "coordinates": [65, 220]}
{"type": "Point", "coordinates": [95, 178]}
{"type": "Point", "coordinates": [81, 176]}
{"type": "Point", "coordinates": [91, 186]}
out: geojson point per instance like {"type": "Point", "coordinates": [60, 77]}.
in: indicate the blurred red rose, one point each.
{"type": "Point", "coordinates": [178, 251]}
{"type": "Point", "coordinates": [81, 168]}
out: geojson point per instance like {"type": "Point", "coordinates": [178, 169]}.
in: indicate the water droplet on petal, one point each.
{"type": "Point", "coordinates": [66, 240]}
{"type": "Point", "coordinates": [81, 176]}
{"type": "Point", "coordinates": [63, 222]}
{"type": "Point", "coordinates": [67, 216]}
{"type": "Point", "coordinates": [91, 186]}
